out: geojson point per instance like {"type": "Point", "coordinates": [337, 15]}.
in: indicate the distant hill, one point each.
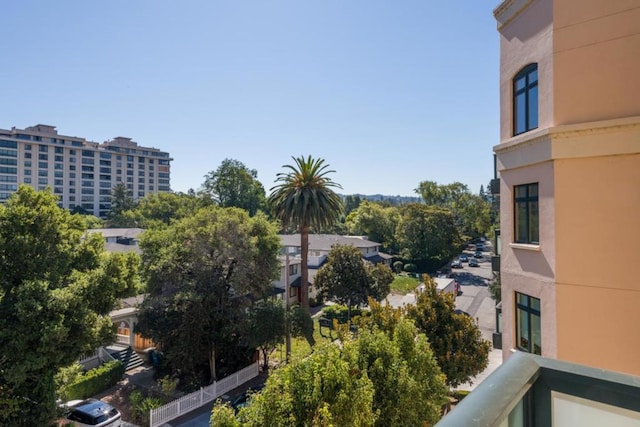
{"type": "Point", "coordinates": [394, 200]}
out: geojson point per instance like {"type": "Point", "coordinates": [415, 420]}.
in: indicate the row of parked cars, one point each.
{"type": "Point", "coordinates": [472, 261]}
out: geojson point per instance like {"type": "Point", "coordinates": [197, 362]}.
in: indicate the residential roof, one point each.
{"type": "Point", "coordinates": [117, 232]}
{"type": "Point", "coordinates": [379, 257]}
{"type": "Point", "coordinates": [324, 242]}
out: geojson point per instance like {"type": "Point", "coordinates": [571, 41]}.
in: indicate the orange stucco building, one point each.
{"type": "Point", "coordinates": [569, 164]}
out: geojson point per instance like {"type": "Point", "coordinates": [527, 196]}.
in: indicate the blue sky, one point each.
{"type": "Point", "coordinates": [389, 93]}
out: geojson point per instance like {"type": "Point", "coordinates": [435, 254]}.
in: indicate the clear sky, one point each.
{"type": "Point", "coordinates": [390, 93]}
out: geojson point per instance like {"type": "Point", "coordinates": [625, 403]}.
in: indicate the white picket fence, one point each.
{"type": "Point", "coordinates": [193, 401]}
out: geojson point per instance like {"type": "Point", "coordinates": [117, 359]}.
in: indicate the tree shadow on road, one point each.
{"type": "Point", "coordinates": [468, 278]}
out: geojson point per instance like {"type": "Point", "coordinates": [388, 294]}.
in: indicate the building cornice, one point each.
{"type": "Point", "coordinates": [572, 141]}
{"type": "Point", "coordinates": [508, 10]}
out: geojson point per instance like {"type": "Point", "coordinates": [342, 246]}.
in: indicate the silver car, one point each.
{"type": "Point", "coordinates": [92, 412]}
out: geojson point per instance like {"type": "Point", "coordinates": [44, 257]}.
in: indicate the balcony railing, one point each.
{"type": "Point", "coordinates": [530, 390]}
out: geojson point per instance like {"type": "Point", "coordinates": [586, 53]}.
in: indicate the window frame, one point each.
{"type": "Point", "coordinates": [528, 200]}
{"type": "Point", "coordinates": [530, 312]}
{"type": "Point", "coordinates": [527, 91]}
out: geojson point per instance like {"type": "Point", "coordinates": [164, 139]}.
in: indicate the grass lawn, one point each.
{"type": "Point", "coordinates": [300, 348]}
{"type": "Point", "coordinates": [403, 284]}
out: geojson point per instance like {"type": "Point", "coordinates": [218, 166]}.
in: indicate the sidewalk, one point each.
{"type": "Point", "coordinates": [200, 417]}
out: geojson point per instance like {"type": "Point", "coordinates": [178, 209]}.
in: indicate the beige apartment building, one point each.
{"type": "Point", "coordinates": [569, 166]}
{"type": "Point", "coordinates": [81, 173]}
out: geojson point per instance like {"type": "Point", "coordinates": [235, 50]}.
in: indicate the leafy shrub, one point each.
{"type": "Point", "coordinates": [315, 302]}
{"type": "Point", "coordinates": [65, 377]}
{"type": "Point", "coordinates": [168, 385]}
{"type": "Point", "coordinates": [96, 380]}
{"type": "Point", "coordinates": [141, 405]}
{"type": "Point", "coordinates": [410, 267]}
{"type": "Point", "coordinates": [398, 266]}
{"type": "Point", "coordinates": [340, 313]}
{"type": "Point", "coordinates": [222, 415]}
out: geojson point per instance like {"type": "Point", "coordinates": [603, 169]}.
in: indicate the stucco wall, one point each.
{"type": "Point", "coordinates": [597, 253]}
{"type": "Point", "coordinates": [528, 270]}
{"type": "Point", "coordinates": [527, 39]}
{"type": "Point", "coordinates": [596, 59]}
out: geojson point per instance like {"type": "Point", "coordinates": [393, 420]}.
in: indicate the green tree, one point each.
{"type": "Point", "coordinates": [57, 287]}
{"type": "Point", "coordinates": [91, 221]}
{"type": "Point", "coordinates": [202, 272]}
{"type": "Point", "coordinates": [304, 198]}
{"type": "Point", "coordinates": [455, 339]}
{"type": "Point", "coordinates": [348, 279]}
{"type": "Point", "coordinates": [222, 415]}
{"type": "Point", "coordinates": [473, 215]}
{"type": "Point", "coordinates": [121, 200]}
{"type": "Point", "coordinates": [375, 221]}
{"type": "Point", "coordinates": [351, 203]}
{"type": "Point", "coordinates": [327, 388]}
{"type": "Point", "coordinates": [160, 209]}
{"type": "Point", "coordinates": [235, 185]}
{"type": "Point", "coordinates": [471, 211]}
{"type": "Point", "coordinates": [427, 232]}
{"type": "Point", "coordinates": [381, 378]}
{"type": "Point", "coordinates": [409, 386]}
{"type": "Point", "coordinates": [267, 326]}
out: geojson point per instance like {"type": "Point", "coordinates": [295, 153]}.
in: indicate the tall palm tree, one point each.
{"type": "Point", "coordinates": [303, 197]}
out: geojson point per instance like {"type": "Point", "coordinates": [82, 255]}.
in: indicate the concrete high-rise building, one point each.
{"type": "Point", "coordinates": [569, 164]}
{"type": "Point", "coordinates": [81, 173]}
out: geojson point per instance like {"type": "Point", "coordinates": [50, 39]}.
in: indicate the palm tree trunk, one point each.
{"type": "Point", "coordinates": [212, 363]}
{"type": "Point", "coordinates": [304, 271]}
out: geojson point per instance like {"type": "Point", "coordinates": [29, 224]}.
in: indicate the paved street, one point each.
{"type": "Point", "coordinates": [476, 300]}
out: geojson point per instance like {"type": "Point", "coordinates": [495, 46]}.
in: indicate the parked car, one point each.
{"type": "Point", "coordinates": [477, 254]}
{"type": "Point", "coordinates": [463, 258]}
{"type": "Point", "coordinates": [456, 263]}
{"type": "Point", "coordinates": [242, 400]}
{"type": "Point", "coordinates": [92, 412]}
{"type": "Point", "coordinates": [473, 263]}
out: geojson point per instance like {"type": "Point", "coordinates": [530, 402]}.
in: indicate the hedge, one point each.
{"type": "Point", "coordinates": [340, 312]}
{"type": "Point", "coordinates": [96, 380]}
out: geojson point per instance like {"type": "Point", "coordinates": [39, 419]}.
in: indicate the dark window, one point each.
{"type": "Point", "coordinates": [525, 208]}
{"type": "Point", "coordinates": [525, 99]}
{"type": "Point", "coordinates": [528, 329]}
{"type": "Point", "coordinates": [8, 144]}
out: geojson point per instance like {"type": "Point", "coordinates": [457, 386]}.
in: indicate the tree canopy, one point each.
{"type": "Point", "coordinates": [375, 221]}
{"type": "Point", "coordinates": [267, 327]}
{"type": "Point", "coordinates": [471, 212]}
{"type": "Point", "coordinates": [456, 340]}
{"type": "Point", "coordinates": [235, 185]}
{"type": "Point", "coordinates": [57, 287]}
{"type": "Point", "coordinates": [427, 232]}
{"type": "Point", "coordinates": [349, 280]}
{"type": "Point", "coordinates": [202, 273]}
{"type": "Point", "coordinates": [161, 209]}
{"type": "Point", "coordinates": [121, 200]}
{"type": "Point", "coordinates": [377, 379]}
{"type": "Point", "coordinates": [304, 197]}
